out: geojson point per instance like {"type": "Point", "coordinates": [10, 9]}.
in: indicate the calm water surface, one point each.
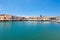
{"type": "Point", "coordinates": [28, 30]}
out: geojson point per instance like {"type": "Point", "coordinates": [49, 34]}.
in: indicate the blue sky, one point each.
{"type": "Point", "coordinates": [30, 7]}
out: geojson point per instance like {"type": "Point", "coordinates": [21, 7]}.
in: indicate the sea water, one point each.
{"type": "Point", "coordinates": [29, 30]}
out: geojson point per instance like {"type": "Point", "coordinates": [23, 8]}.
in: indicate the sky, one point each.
{"type": "Point", "coordinates": [30, 7]}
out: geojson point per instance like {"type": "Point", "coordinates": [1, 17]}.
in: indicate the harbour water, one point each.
{"type": "Point", "coordinates": [29, 30]}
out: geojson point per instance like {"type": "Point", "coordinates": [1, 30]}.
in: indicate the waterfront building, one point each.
{"type": "Point", "coordinates": [53, 19]}
{"type": "Point", "coordinates": [23, 18]}
{"type": "Point", "coordinates": [58, 19]}
{"type": "Point", "coordinates": [44, 18]}
{"type": "Point", "coordinates": [15, 18]}
{"type": "Point", "coordinates": [1, 17]}
{"type": "Point", "coordinates": [32, 18]}
{"type": "Point", "coordinates": [5, 17]}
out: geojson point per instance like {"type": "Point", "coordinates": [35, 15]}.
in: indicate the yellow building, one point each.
{"type": "Point", "coordinates": [44, 18]}
{"type": "Point", "coordinates": [1, 17]}
{"type": "Point", "coordinates": [5, 17]}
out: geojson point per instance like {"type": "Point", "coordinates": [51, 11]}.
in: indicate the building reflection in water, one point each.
{"type": "Point", "coordinates": [31, 24]}
{"type": "Point", "coordinates": [5, 25]}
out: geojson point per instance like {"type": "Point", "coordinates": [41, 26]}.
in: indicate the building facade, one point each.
{"type": "Point", "coordinates": [5, 17]}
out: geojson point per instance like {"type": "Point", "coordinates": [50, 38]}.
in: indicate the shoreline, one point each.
{"type": "Point", "coordinates": [28, 20]}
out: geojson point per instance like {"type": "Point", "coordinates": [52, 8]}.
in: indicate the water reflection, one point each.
{"type": "Point", "coordinates": [46, 22]}
{"type": "Point", "coordinates": [29, 30]}
{"type": "Point", "coordinates": [5, 25]}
